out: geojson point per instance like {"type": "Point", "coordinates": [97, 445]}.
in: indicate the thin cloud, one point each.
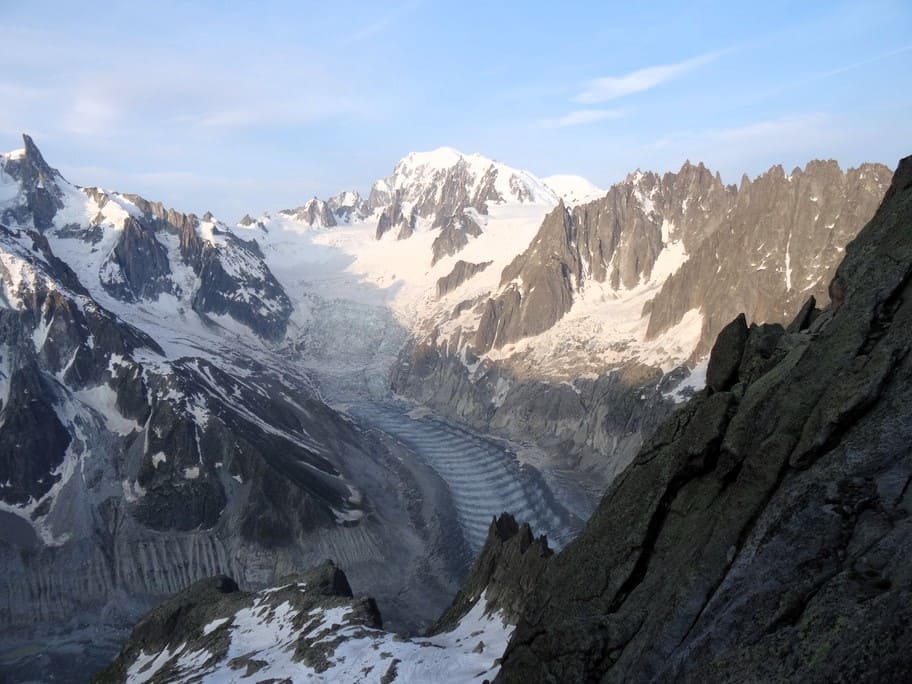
{"type": "Point", "coordinates": [613, 87]}
{"type": "Point", "coordinates": [786, 131]}
{"type": "Point", "coordinates": [381, 24]}
{"type": "Point", "coordinates": [582, 117]}
{"type": "Point", "coordinates": [758, 144]}
{"type": "Point", "coordinates": [274, 109]}
{"type": "Point", "coordinates": [855, 65]}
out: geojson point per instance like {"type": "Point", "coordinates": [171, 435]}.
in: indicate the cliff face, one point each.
{"type": "Point", "coordinates": [763, 532]}
{"type": "Point", "coordinates": [761, 248]}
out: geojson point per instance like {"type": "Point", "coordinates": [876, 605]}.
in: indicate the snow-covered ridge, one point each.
{"type": "Point", "coordinates": [308, 630]}
{"type": "Point", "coordinates": [573, 189]}
{"type": "Point", "coordinates": [420, 172]}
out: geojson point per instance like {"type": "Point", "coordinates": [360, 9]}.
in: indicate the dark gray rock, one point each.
{"type": "Point", "coordinates": [139, 264]}
{"type": "Point", "coordinates": [725, 357]}
{"type": "Point", "coordinates": [779, 242]}
{"type": "Point", "coordinates": [505, 572]}
{"type": "Point", "coordinates": [233, 277]}
{"type": "Point", "coordinates": [32, 439]}
{"type": "Point", "coordinates": [760, 248]}
{"type": "Point", "coordinates": [805, 316]}
{"type": "Point", "coordinates": [235, 281]}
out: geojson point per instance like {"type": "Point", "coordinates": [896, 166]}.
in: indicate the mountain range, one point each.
{"type": "Point", "coordinates": [761, 534]}
{"type": "Point", "coordinates": [183, 398]}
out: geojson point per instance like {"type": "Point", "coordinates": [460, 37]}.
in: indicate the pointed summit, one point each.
{"type": "Point", "coordinates": [445, 181]}
{"type": "Point", "coordinates": [39, 183]}
{"type": "Point", "coordinates": [34, 157]}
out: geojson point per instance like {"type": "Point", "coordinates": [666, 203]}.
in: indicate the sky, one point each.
{"type": "Point", "coordinates": [239, 107]}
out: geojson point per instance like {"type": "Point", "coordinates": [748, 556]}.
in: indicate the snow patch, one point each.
{"type": "Point", "coordinates": [573, 189]}
{"type": "Point", "coordinates": [693, 383]}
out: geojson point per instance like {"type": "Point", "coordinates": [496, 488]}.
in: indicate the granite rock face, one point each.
{"type": "Point", "coordinates": [140, 263]}
{"type": "Point", "coordinates": [505, 572]}
{"type": "Point", "coordinates": [41, 198]}
{"type": "Point", "coordinates": [231, 277]}
{"type": "Point", "coordinates": [779, 244]}
{"type": "Point", "coordinates": [462, 271]}
{"type": "Point", "coordinates": [315, 213]}
{"type": "Point", "coordinates": [149, 250]}
{"type": "Point", "coordinates": [455, 232]}
{"type": "Point", "coordinates": [344, 208]}
{"type": "Point", "coordinates": [761, 248]}
{"type": "Point", "coordinates": [395, 218]}
{"type": "Point", "coordinates": [451, 193]}
{"type": "Point", "coordinates": [762, 533]}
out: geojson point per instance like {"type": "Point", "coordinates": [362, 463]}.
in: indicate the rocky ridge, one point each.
{"type": "Point", "coordinates": [310, 626]}
{"type": "Point", "coordinates": [638, 281]}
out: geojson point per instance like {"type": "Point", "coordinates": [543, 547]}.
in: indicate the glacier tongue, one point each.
{"type": "Point", "coordinates": [484, 477]}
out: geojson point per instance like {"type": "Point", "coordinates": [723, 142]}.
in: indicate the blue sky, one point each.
{"type": "Point", "coordinates": [243, 107]}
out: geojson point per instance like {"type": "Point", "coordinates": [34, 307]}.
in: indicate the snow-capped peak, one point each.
{"type": "Point", "coordinates": [430, 179]}
{"type": "Point", "coordinates": [573, 189]}
{"type": "Point", "coordinates": [14, 154]}
{"type": "Point", "coordinates": [441, 158]}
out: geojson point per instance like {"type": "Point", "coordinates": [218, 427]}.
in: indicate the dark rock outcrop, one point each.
{"type": "Point", "coordinates": [394, 218]}
{"type": "Point", "coordinates": [234, 280]}
{"type": "Point", "coordinates": [462, 271]}
{"type": "Point", "coordinates": [726, 355]}
{"type": "Point", "coordinates": [763, 532]}
{"type": "Point", "coordinates": [43, 197]}
{"type": "Point", "coordinates": [315, 213]}
{"type": "Point", "coordinates": [32, 439]}
{"type": "Point", "coordinates": [455, 232]}
{"type": "Point", "coordinates": [139, 263]}
{"type": "Point", "coordinates": [180, 623]}
{"type": "Point", "coordinates": [505, 572]}
{"type": "Point", "coordinates": [539, 286]}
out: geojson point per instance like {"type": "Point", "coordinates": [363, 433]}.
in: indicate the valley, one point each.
{"type": "Point", "coordinates": [370, 380]}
